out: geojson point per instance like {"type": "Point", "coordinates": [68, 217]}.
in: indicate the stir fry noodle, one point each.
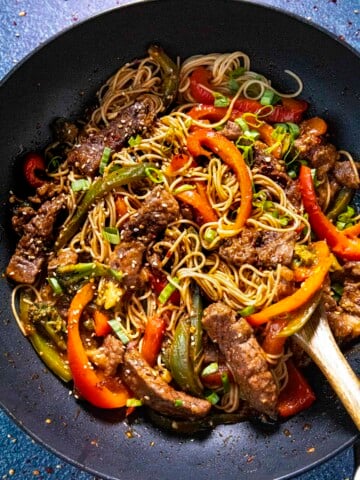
{"type": "Point", "coordinates": [175, 239]}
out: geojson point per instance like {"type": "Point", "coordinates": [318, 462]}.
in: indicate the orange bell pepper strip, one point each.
{"type": "Point", "coordinates": [306, 291]}
{"type": "Point", "coordinates": [230, 155]}
{"type": "Point", "coordinates": [198, 200]}
{"type": "Point", "coordinates": [297, 394]}
{"type": "Point", "coordinates": [352, 231]}
{"type": "Point", "coordinates": [101, 326]}
{"type": "Point", "coordinates": [343, 245]}
{"type": "Point", "coordinates": [153, 336]}
{"type": "Point", "coordinates": [86, 381]}
{"type": "Point", "coordinates": [314, 126]}
{"type": "Point", "coordinates": [120, 206]}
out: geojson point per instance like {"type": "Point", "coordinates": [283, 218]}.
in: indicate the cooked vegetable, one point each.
{"type": "Point", "coordinates": [34, 170]}
{"type": "Point", "coordinates": [97, 190]}
{"type": "Point", "coordinates": [88, 384]}
{"type": "Point", "coordinates": [341, 243]}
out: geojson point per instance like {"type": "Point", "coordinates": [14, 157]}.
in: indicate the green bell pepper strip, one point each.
{"type": "Point", "coordinates": [70, 274]}
{"type": "Point", "coordinates": [186, 350]}
{"type": "Point", "coordinates": [170, 70]}
{"type": "Point", "coordinates": [44, 348]}
{"type": "Point", "coordinates": [50, 356]}
{"type": "Point", "coordinates": [97, 190]}
{"type": "Point", "coordinates": [341, 202]}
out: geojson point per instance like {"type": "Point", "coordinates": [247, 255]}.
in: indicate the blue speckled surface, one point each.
{"type": "Point", "coordinates": [24, 25]}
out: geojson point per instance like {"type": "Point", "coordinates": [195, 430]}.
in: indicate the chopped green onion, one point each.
{"type": "Point", "coordinates": [252, 134]}
{"type": "Point", "coordinates": [221, 100]}
{"type": "Point", "coordinates": [294, 129]}
{"type": "Point", "coordinates": [242, 124]}
{"type": "Point", "coordinates": [246, 311]}
{"type": "Point", "coordinates": [184, 188]}
{"type": "Point", "coordinates": [133, 402]}
{"type": "Point", "coordinates": [337, 291]}
{"type": "Point", "coordinates": [154, 174]}
{"type": "Point", "coordinates": [104, 159]}
{"type": "Point", "coordinates": [55, 285]}
{"type": "Point", "coordinates": [209, 235]}
{"type": "Point", "coordinates": [238, 72]}
{"type": "Point", "coordinates": [111, 234]}
{"type": "Point", "coordinates": [178, 403]}
{"type": "Point", "coordinates": [233, 85]}
{"type": "Point", "coordinates": [167, 291]}
{"type": "Point", "coordinates": [284, 221]}
{"type": "Point", "coordinates": [225, 382]}
{"type": "Point", "coordinates": [119, 330]}
{"type": "Point", "coordinates": [81, 184]}
{"type": "Point", "coordinates": [269, 98]}
{"type": "Point", "coordinates": [292, 174]}
{"type": "Point", "coordinates": [210, 369]}
{"type": "Point", "coordinates": [213, 398]}
{"type": "Point", "coordinates": [133, 141]}
{"type": "Point", "coordinates": [346, 219]}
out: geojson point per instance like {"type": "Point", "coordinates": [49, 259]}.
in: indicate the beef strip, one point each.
{"type": "Point", "coordinates": [149, 387]}
{"type": "Point", "coordinates": [86, 156]}
{"type": "Point", "coordinates": [316, 150]}
{"type": "Point", "coordinates": [244, 355]}
{"type": "Point", "coordinates": [31, 251]}
{"type": "Point", "coordinates": [344, 174]}
{"type": "Point", "coordinates": [109, 356]}
{"type": "Point", "coordinates": [159, 209]}
{"type": "Point", "coordinates": [266, 164]}
{"type": "Point", "coordinates": [231, 130]}
{"type": "Point", "coordinates": [343, 317]}
{"type": "Point", "coordinates": [22, 214]}
{"type": "Point", "coordinates": [128, 259]}
{"type": "Point", "coordinates": [63, 257]}
{"type": "Point", "coordinates": [262, 248]}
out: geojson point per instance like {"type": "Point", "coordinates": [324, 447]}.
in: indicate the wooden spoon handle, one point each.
{"type": "Point", "coordinates": [317, 340]}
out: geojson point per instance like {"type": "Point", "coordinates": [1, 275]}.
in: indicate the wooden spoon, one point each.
{"type": "Point", "coordinates": [318, 342]}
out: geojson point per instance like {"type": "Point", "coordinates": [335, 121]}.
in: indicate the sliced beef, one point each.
{"type": "Point", "coordinates": [109, 356]}
{"type": "Point", "coordinates": [344, 323]}
{"type": "Point", "coordinates": [344, 174]}
{"type": "Point", "coordinates": [244, 355]}
{"type": "Point", "coordinates": [159, 209]}
{"type": "Point", "coordinates": [64, 257]}
{"type": "Point", "coordinates": [22, 214]}
{"type": "Point", "coordinates": [128, 259]}
{"type": "Point", "coordinates": [350, 299]}
{"type": "Point", "coordinates": [149, 387]}
{"type": "Point", "coordinates": [262, 248]}
{"type": "Point", "coordinates": [30, 254]}
{"type": "Point", "coordinates": [275, 248]}
{"type": "Point", "coordinates": [286, 286]}
{"type": "Point", "coordinates": [86, 156]}
{"type": "Point", "coordinates": [316, 150]}
{"type": "Point", "coordinates": [269, 166]}
{"type": "Point", "coordinates": [231, 130]}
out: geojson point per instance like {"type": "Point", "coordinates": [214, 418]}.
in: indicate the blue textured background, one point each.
{"type": "Point", "coordinates": [24, 25]}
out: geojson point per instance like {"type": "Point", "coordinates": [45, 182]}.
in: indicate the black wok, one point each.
{"type": "Point", "coordinates": [60, 80]}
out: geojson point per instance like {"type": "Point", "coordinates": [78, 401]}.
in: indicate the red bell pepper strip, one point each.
{"type": "Point", "coordinates": [158, 282]}
{"type": "Point", "coordinates": [198, 200]}
{"type": "Point", "coordinates": [343, 245]}
{"type": "Point", "coordinates": [297, 394]}
{"type": "Point", "coordinates": [228, 152]}
{"type": "Point", "coordinates": [87, 383]}
{"type": "Point", "coordinates": [101, 326]}
{"type": "Point", "coordinates": [290, 110]}
{"type": "Point", "coordinates": [307, 289]}
{"type": "Point", "coordinates": [34, 169]}
{"type": "Point", "coordinates": [214, 380]}
{"type": "Point", "coordinates": [154, 333]}
{"type": "Point", "coordinates": [272, 343]}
